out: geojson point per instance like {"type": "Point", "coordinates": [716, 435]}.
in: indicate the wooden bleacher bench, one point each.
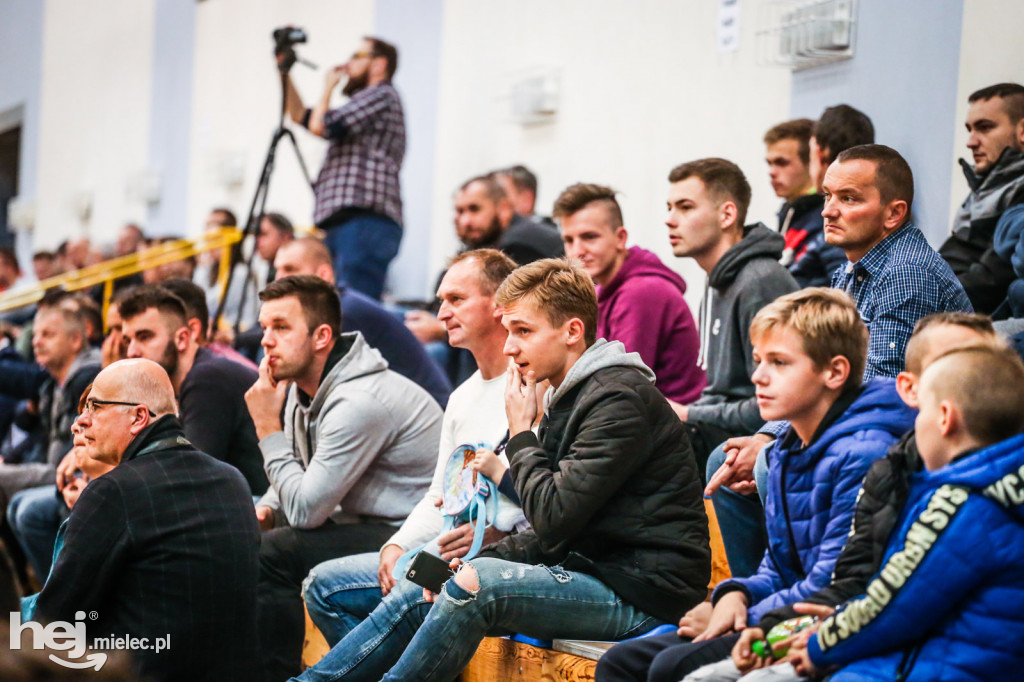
{"type": "Point", "coordinates": [499, 659]}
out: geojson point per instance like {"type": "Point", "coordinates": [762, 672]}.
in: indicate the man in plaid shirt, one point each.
{"type": "Point", "coordinates": [358, 200]}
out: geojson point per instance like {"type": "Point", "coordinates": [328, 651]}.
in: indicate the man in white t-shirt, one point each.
{"type": "Point", "coordinates": [342, 592]}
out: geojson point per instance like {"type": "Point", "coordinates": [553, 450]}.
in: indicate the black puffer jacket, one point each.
{"type": "Point", "coordinates": [969, 250]}
{"type": "Point", "coordinates": [878, 509]}
{"type": "Point", "coordinates": [610, 488]}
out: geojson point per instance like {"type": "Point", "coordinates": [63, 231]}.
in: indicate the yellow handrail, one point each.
{"type": "Point", "coordinates": [125, 266]}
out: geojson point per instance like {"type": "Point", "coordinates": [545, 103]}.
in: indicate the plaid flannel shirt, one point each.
{"type": "Point", "coordinates": [895, 284]}
{"type": "Point", "coordinates": [361, 168]}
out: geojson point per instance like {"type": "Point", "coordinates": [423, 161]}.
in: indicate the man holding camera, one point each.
{"type": "Point", "coordinates": [357, 198]}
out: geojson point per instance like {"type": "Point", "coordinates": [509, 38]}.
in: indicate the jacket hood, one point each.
{"type": "Point", "coordinates": [359, 359]}
{"type": "Point", "coordinates": [88, 356]}
{"type": "Point", "coordinates": [758, 242]}
{"type": "Point", "coordinates": [877, 408]}
{"type": "Point", "coordinates": [1007, 168]}
{"type": "Point", "coordinates": [601, 355]}
{"type": "Point", "coordinates": [995, 471]}
{"type": "Point", "coordinates": [641, 263]}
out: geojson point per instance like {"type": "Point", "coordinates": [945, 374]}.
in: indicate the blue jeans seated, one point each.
{"type": "Point", "coordinates": [741, 517]}
{"type": "Point", "coordinates": [34, 515]}
{"type": "Point", "coordinates": [406, 637]}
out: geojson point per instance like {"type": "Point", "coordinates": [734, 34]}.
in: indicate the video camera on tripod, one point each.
{"type": "Point", "coordinates": [285, 40]}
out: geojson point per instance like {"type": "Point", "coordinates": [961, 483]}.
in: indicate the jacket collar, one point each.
{"type": "Point", "coordinates": [166, 433]}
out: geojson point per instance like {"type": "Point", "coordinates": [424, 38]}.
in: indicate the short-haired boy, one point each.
{"type": "Point", "coordinates": [618, 540]}
{"type": "Point", "coordinates": [948, 600]}
{"type": "Point", "coordinates": [810, 348]}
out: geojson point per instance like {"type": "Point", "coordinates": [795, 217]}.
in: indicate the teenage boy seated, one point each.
{"type": "Point", "coordinates": [948, 602]}
{"type": "Point", "coordinates": [879, 504]}
{"type": "Point", "coordinates": [810, 348]}
{"type": "Point", "coordinates": [618, 541]}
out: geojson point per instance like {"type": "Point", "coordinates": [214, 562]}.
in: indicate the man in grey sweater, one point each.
{"type": "Point", "coordinates": [707, 204]}
{"type": "Point", "coordinates": [355, 449]}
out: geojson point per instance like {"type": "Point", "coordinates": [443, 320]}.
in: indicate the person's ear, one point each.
{"type": "Point", "coordinates": [322, 337]}
{"type": "Point", "coordinates": [140, 420]}
{"type": "Point", "coordinates": [1020, 132]}
{"type": "Point", "coordinates": [195, 326]}
{"type": "Point", "coordinates": [621, 237]}
{"type": "Point", "coordinates": [727, 215]}
{"type": "Point", "coordinates": [895, 214]}
{"type": "Point", "coordinates": [505, 211]}
{"type": "Point", "coordinates": [324, 272]}
{"type": "Point", "coordinates": [950, 418]}
{"type": "Point", "coordinates": [906, 387]}
{"type": "Point", "coordinates": [575, 331]}
{"type": "Point", "coordinates": [181, 338]}
{"type": "Point", "coordinates": [837, 372]}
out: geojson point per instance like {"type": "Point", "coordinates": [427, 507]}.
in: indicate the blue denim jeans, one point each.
{"type": "Point", "coordinates": [741, 517]}
{"type": "Point", "coordinates": [407, 638]}
{"type": "Point", "coordinates": [34, 515]}
{"type": "Point", "coordinates": [341, 593]}
{"type": "Point", "coordinates": [362, 248]}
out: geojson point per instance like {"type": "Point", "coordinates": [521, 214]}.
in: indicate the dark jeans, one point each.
{"type": "Point", "coordinates": [286, 557]}
{"type": "Point", "coordinates": [741, 517]}
{"type": "Point", "coordinates": [664, 658]}
{"type": "Point", "coordinates": [362, 246]}
{"type": "Point", "coordinates": [35, 514]}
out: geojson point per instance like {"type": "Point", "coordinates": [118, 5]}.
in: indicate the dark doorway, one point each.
{"type": "Point", "coordinates": [10, 151]}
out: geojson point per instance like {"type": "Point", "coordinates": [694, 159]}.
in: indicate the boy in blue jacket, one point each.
{"type": "Point", "coordinates": [948, 602]}
{"type": "Point", "coordinates": [810, 348]}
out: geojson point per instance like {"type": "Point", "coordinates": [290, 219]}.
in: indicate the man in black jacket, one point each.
{"type": "Point", "coordinates": [211, 389]}
{"type": "Point", "coordinates": [164, 547]}
{"type": "Point", "coordinates": [995, 121]}
{"type": "Point", "coordinates": [618, 540]}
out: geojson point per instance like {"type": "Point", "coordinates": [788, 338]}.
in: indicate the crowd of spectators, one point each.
{"type": "Point", "coordinates": [841, 395]}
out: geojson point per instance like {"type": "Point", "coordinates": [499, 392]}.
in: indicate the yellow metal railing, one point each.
{"type": "Point", "coordinates": [124, 266]}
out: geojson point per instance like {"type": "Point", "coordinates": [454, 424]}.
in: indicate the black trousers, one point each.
{"type": "Point", "coordinates": [286, 557]}
{"type": "Point", "coordinates": [704, 438]}
{"type": "Point", "coordinates": [663, 658]}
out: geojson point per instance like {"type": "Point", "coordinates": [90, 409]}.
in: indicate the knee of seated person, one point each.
{"type": "Point", "coordinates": [715, 461]}
{"type": "Point", "coordinates": [467, 578]}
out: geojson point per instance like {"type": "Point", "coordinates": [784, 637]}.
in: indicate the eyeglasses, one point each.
{"type": "Point", "coordinates": [92, 404]}
{"type": "Point", "coordinates": [362, 54]}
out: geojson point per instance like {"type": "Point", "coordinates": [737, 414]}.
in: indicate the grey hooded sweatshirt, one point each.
{"type": "Point", "coordinates": [747, 278]}
{"type": "Point", "coordinates": [363, 448]}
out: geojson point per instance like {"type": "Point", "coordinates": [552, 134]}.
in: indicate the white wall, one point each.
{"type": "Point", "coordinates": [94, 115]}
{"type": "Point", "coordinates": [990, 53]}
{"type": "Point", "coordinates": [642, 90]}
{"type": "Point", "coordinates": [237, 98]}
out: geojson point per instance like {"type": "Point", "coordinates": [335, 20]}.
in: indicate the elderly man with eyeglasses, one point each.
{"type": "Point", "coordinates": [162, 548]}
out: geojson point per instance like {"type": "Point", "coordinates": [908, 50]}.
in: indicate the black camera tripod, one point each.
{"type": "Point", "coordinates": [286, 58]}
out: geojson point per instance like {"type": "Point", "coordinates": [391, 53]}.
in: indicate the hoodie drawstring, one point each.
{"type": "Point", "coordinates": [705, 327]}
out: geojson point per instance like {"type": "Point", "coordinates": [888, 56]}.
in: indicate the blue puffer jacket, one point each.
{"type": "Point", "coordinates": [948, 603]}
{"type": "Point", "coordinates": [811, 496]}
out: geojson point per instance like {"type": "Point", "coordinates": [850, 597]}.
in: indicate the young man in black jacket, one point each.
{"type": "Point", "coordinates": [618, 540]}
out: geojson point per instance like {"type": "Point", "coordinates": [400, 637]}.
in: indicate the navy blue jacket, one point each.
{"type": "Point", "coordinates": [807, 256]}
{"type": "Point", "coordinates": [948, 603]}
{"type": "Point", "coordinates": [811, 496]}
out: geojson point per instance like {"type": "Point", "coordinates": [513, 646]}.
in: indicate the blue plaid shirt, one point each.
{"type": "Point", "coordinates": [895, 284]}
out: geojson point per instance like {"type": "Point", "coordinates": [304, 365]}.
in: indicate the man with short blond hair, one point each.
{"type": "Point", "coordinates": [639, 300]}
{"type": "Point", "coordinates": [608, 445]}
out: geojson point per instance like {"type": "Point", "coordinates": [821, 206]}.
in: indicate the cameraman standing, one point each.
{"type": "Point", "coordinates": [358, 201]}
